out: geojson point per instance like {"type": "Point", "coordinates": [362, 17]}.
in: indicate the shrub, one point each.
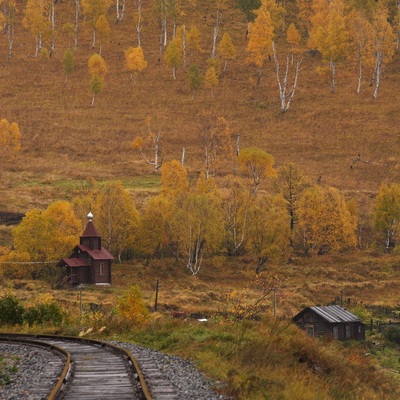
{"type": "Point", "coordinates": [11, 311]}
{"type": "Point", "coordinates": [393, 334]}
{"type": "Point", "coordinates": [49, 311]}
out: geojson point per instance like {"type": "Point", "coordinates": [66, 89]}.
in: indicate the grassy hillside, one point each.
{"type": "Point", "coordinates": [66, 140]}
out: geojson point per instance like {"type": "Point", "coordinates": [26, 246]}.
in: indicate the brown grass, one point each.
{"type": "Point", "coordinates": [66, 139]}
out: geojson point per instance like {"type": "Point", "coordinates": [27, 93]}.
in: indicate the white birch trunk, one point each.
{"type": "Point", "coordinates": [76, 27]}
{"type": "Point", "coordinates": [285, 95]}
{"type": "Point", "coordinates": [183, 157]}
{"type": "Point", "coordinates": [138, 23]}
{"type": "Point", "coordinates": [184, 46]}
{"type": "Point", "coordinates": [117, 11]}
{"type": "Point", "coordinates": [378, 74]}
{"type": "Point", "coordinates": [332, 69]}
{"type": "Point", "coordinates": [53, 27]}
{"type": "Point", "coordinates": [215, 35]}
{"type": "Point", "coordinates": [359, 78]}
{"type": "Point", "coordinates": [94, 38]}
{"type": "Point", "coordinates": [10, 37]}
{"type": "Point", "coordinates": [123, 10]}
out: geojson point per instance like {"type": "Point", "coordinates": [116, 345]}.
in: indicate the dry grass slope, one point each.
{"type": "Point", "coordinates": [66, 140]}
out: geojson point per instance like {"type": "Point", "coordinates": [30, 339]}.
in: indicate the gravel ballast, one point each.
{"type": "Point", "coordinates": [34, 379]}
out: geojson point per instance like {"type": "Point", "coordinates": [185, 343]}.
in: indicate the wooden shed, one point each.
{"type": "Point", "coordinates": [89, 263]}
{"type": "Point", "coordinates": [333, 321]}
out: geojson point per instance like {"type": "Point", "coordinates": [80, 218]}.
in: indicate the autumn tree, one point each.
{"type": "Point", "coordinates": [236, 201]}
{"type": "Point", "coordinates": [103, 30]}
{"type": "Point", "coordinates": [255, 165]}
{"type": "Point", "coordinates": [197, 225]}
{"type": "Point", "coordinates": [286, 89]}
{"type": "Point", "coordinates": [68, 64]}
{"type": "Point", "coordinates": [174, 179]}
{"type": "Point", "coordinates": [192, 41]}
{"type": "Point", "coordinates": [138, 21]}
{"type": "Point", "coordinates": [220, 6]}
{"type": "Point", "coordinates": [10, 139]}
{"type": "Point", "coordinates": [290, 184]}
{"type": "Point", "coordinates": [117, 218]}
{"type": "Point", "coordinates": [173, 55]}
{"type": "Point", "coordinates": [211, 79]}
{"type": "Point", "coordinates": [194, 78]}
{"type": "Point", "coordinates": [7, 19]}
{"type": "Point", "coordinates": [215, 138]}
{"type": "Point", "coordinates": [152, 230]}
{"type": "Point", "coordinates": [330, 36]}
{"type": "Point", "coordinates": [387, 214]}
{"type": "Point", "coordinates": [360, 30]}
{"type": "Point", "coordinates": [268, 231]}
{"type": "Point", "coordinates": [47, 236]}
{"type": "Point", "coordinates": [151, 142]}
{"type": "Point", "coordinates": [132, 307]}
{"type": "Point", "coordinates": [325, 222]}
{"type": "Point", "coordinates": [248, 7]}
{"type": "Point", "coordinates": [92, 10]}
{"type": "Point", "coordinates": [383, 45]}
{"type": "Point", "coordinates": [97, 69]}
{"type": "Point", "coordinates": [134, 60]}
{"type": "Point", "coordinates": [261, 35]}
{"type": "Point", "coordinates": [36, 19]}
{"type": "Point", "coordinates": [226, 49]}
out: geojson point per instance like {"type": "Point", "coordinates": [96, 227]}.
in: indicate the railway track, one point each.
{"type": "Point", "coordinates": [99, 370]}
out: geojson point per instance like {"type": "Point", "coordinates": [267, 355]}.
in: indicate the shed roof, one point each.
{"type": "Point", "coordinates": [335, 314]}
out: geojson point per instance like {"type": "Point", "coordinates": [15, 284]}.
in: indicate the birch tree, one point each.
{"type": "Point", "coordinates": [219, 5]}
{"type": "Point", "coordinates": [215, 138]}
{"type": "Point", "coordinates": [286, 90]}
{"type": "Point", "coordinates": [248, 7]}
{"type": "Point", "coordinates": [68, 64]}
{"type": "Point", "coordinates": [97, 69]}
{"type": "Point", "coordinates": [268, 231]}
{"type": "Point", "coordinates": [226, 49]}
{"type": "Point", "coordinates": [7, 18]}
{"type": "Point", "coordinates": [152, 143]}
{"type": "Point", "coordinates": [117, 218]}
{"type": "Point", "coordinates": [92, 10]}
{"type": "Point", "coordinates": [211, 80]}
{"type": "Point", "coordinates": [261, 35]}
{"type": "Point", "coordinates": [330, 36]}
{"type": "Point", "coordinates": [194, 78]}
{"type": "Point", "coordinates": [383, 46]}
{"type": "Point", "coordinates": [256, 166]}
{"type": "Point", "coordinates": [173, 55]}
{"type": "Point", "coordinates": [134, 61]}
{"type": "Point", "coordinates": [236, 203]}
{"type": "Point", "coordinates": [360, 30]}
{"type": "Point", "coordinates": [138, 21]}
{"type": "Point", "coordinates": [387, 214]}
{"type": "Point", "coordinates": [161, 9]}
{"type": "Point", "coordinates": [103, 29]}
{"type": "Point", "coordinates": [10, 139]}
{"type": "Point", "coordinates": [120, 10]}
{"type": "Point", "coordinates": [325, 221]}
{"type": "Point", "coordinates": [197, 224]}
{"type": "Point", "coordinates": [36, 19]}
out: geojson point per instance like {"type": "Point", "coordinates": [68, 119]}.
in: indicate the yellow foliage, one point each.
{"type": "Point", "coordinates": [135, 61]}
{"type": "Point", "coordinates": [131, 306]}
{"type": "Point", "coordinates": [97, 66]}
{"type": "Point", "coordinates": [10, 139]}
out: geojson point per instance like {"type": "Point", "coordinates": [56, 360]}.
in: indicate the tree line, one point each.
{"type": "Point", "coordinates": [264, 213]}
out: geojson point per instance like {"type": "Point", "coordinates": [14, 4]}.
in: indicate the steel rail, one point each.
{"type": "Point", "coordinates": [129, 358]}
{"type": "Point", "coordinates": [65, 374]}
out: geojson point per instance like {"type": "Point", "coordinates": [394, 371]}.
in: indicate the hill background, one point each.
{"type": "Point", "coordinates": [65, 141]}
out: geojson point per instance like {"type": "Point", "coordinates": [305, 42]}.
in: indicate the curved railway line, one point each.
{"type": "Point", "coordinates": [94, 369]}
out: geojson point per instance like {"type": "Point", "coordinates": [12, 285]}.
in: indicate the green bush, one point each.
{"type": "Point", "coordinates": [393, 334]}
{"type": "Point", "coordinates": [11, 311]}
{"type": "Point", "coordinates": [44, 312]}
